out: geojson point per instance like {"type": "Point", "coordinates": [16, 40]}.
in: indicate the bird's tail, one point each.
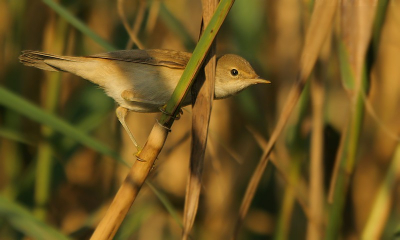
{"type": "Point", "coordinates": [37, 59]}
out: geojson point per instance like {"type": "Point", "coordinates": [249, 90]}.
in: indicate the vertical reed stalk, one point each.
{"type": "Point", "coordinates": [316, 190]}
{"type": "Point", "coordinates": [203, 95]}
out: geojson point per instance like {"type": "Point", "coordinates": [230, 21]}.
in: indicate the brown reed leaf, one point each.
{"type": "Point", "coordinates": [132, 33]}
{"type": "Point", "coordinates": [137, 23]}
{"type": "Point", "coordinates": [356, 18]}
{"type": "Point", "coordinates": [203, 94]}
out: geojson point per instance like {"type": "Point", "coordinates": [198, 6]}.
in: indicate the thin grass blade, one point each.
{"type": "Point", "coordinates": [15, 136]}
{"type": "Point", "coordinates": [167, 204]}
{"type": "Point", "coordinates": [320, 26]}
{"type": "Point", "coordinates": [357, 22]}
{"type": "Point", "coordinates": [20, 105]}
{"type": "Point", "coordinates": [383, 201]}
{"type": "Point", "coordinates": [21, 219]}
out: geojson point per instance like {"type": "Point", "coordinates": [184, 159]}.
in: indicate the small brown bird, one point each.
{"type": "Point", "coordinates": [144, 80]}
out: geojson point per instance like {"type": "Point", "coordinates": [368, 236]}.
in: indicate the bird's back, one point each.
{"type": "Point", "coordinates": [151, 75]}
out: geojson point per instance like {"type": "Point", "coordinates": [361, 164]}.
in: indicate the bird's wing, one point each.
{"type": "Point", "coordinates": [157, 57]}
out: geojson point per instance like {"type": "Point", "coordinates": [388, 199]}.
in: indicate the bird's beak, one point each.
{"type": "Point", "coordinates": [260, 80]}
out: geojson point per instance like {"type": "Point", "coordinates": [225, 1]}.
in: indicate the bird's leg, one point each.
{"type": "Point", "coordinates": [121, 113]}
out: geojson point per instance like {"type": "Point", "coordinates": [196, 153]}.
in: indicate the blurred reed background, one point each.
{"type": "Point", "coordinates": [57, 180]}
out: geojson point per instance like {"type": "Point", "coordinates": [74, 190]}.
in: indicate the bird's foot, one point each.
{"type": "Point", "coordinates": [176, 117]}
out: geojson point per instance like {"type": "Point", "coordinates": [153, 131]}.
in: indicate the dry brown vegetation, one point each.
{"type": "Point", "coordinates": [332, 173]}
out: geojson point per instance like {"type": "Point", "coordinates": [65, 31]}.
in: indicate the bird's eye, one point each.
{"type": "Point", "coordinates": [234, 72]}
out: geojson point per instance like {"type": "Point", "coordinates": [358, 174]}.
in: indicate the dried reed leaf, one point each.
{"type": "Point", "coordinates": [202, 104]}
{"type": "Point", "coordinates": [384, 92]}
{"type": "Point", "coordinates": [300, 187]}
{"type": "Point", "coordinates": [320, 26]}
{"type": "Point", "coordinates": [138, 22]}
{"type": "Point", "coordinates": [154, 11]}
{"type": "Point", "coordinates": [357, 19]}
